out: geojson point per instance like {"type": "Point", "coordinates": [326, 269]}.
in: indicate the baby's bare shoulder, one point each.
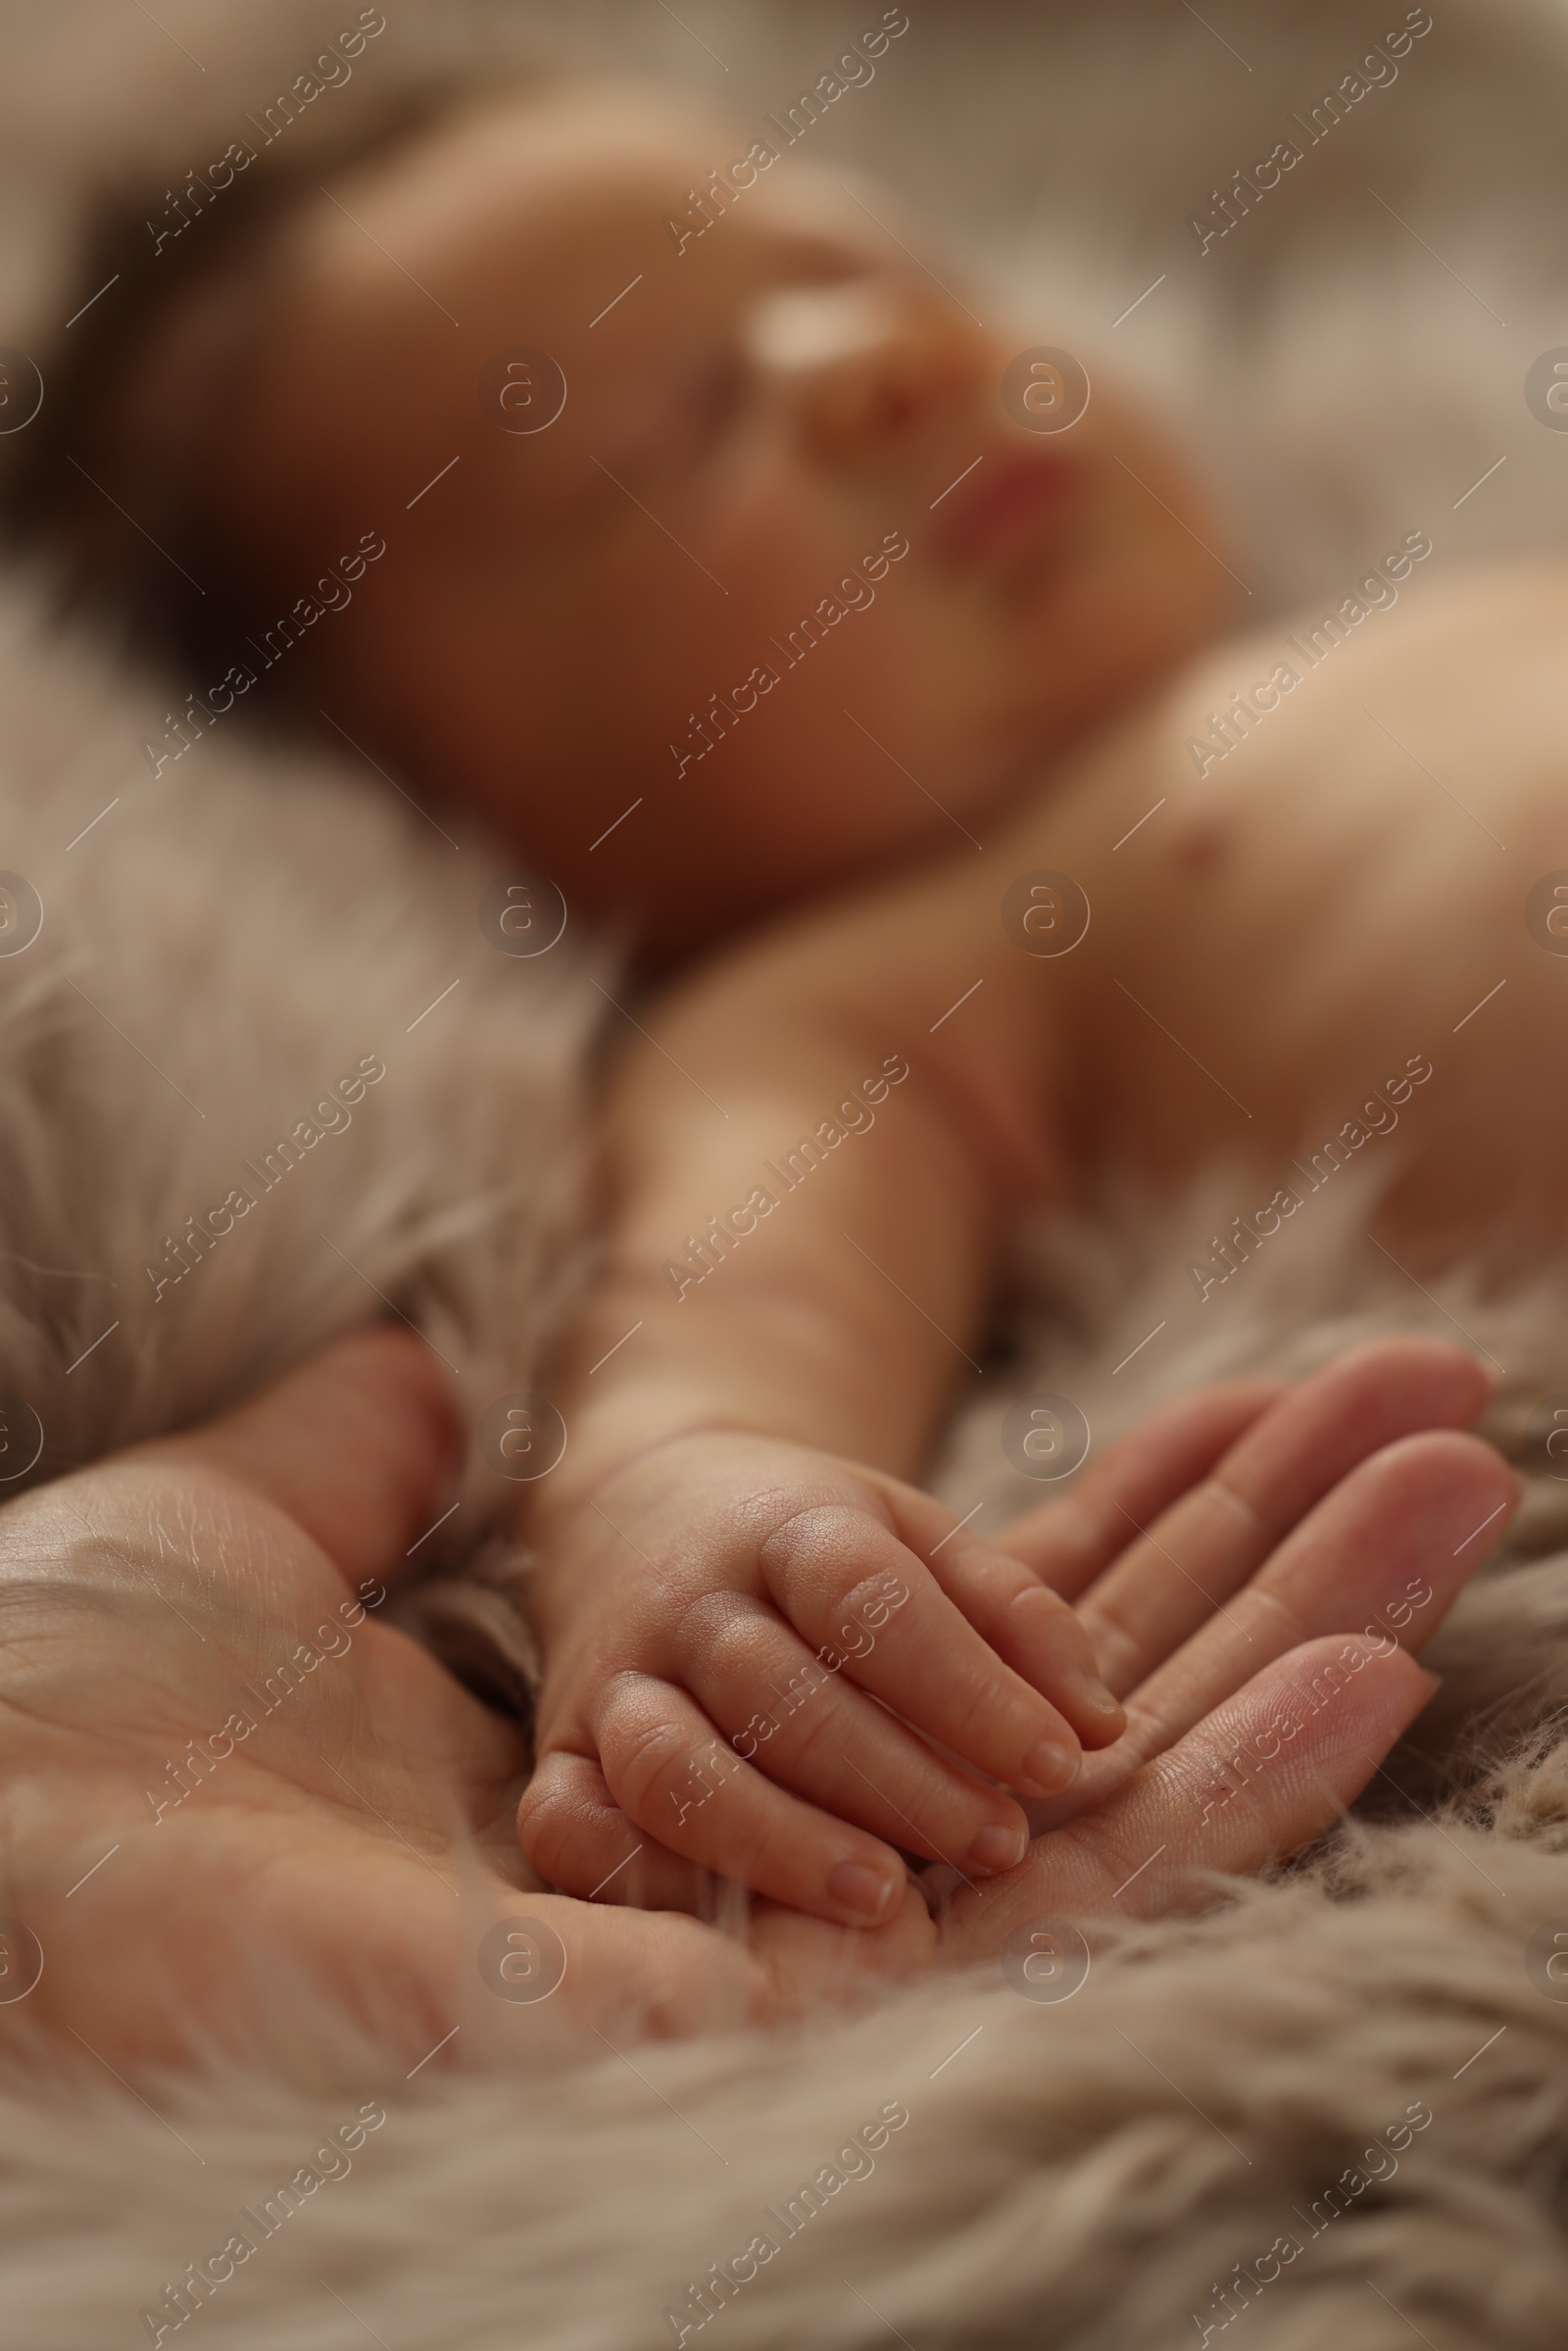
{"type": "Point", "coordinates": [1476, 650]}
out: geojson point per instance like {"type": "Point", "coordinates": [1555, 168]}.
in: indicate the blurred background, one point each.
{"type": "Point", "coordinates": [1351, 360]}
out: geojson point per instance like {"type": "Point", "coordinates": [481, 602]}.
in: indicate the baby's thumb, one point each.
{"type": "Point", "coordinates": [358, 1445]}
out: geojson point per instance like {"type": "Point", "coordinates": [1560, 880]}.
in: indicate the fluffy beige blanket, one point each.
{"type": "Point", "coordinates": [1334, 2110]}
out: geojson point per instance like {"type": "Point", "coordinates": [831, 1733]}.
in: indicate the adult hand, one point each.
{"type": "Point", "coordinates": [232, 1789]}
{"type": "Point", "coordinates": [356, 1840]}
{"type": "Point", "coordinates": [1252, 1566]}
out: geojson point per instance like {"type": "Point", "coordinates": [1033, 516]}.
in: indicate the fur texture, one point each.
{"type": "Point", "coordinates": [230, 936]}
{"type": "Point", "coordinates": [230, 948]}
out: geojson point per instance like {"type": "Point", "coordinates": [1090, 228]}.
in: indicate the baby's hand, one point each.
{"type": "Point", "coordinates": [779, 1665]}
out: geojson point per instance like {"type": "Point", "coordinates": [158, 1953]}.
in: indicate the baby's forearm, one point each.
{"type": "Point", "coordinates": [806, 1259]}
{"type": "Point", "coordinates": [805, 1187]}
{"type": "Point", "coordinates": [807, 1169]}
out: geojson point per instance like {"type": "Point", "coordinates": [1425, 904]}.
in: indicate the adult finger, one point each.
{"type": "Point", "coordinates": [809, 1963]}
{"type": "Point", "coordinates": [1256, 1782]}
{"type": "Point", "coordinates": [630, 1975]}
{"type": "Point", "coordinates": [1071, 1539]}
{"type": "Point", "coordinates": [357, 1446]}
{"type": "Point", "coordinates": [1200, 1553]}
{"type": "Point", "coordinates": [1384, 1555]}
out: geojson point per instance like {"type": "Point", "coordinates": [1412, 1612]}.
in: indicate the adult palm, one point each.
{"type": "Point", "coordinates": [237, 1798]}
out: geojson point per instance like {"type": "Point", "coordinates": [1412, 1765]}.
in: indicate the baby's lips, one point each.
{"type": "Point", "coordinates": [1012, 501]}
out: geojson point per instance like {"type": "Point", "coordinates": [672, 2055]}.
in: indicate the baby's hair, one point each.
{"type": "Point", "coordinates": [100, 504]}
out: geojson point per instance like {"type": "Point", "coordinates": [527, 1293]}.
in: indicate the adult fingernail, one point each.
{"type": "Point", "coordinates": [854, 1886]}
{"type": "Point", "coordinates": [1048, 1767]}
{"type": "Point", "coordinates": [999, 1849]}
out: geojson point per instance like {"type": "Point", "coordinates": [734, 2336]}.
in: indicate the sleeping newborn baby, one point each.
{"type": "Point", "coordinates": [645, 538]}
{"type": "Point", "coordinates": [715, 574]}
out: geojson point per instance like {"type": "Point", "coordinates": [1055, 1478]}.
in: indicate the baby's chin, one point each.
{"type": "Point", "coordinates": [823, 859]}
{"type": "Point", "coordinates": [846, 835]}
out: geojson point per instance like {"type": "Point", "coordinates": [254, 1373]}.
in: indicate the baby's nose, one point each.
{"type": "Point", "coordinates": [864, 364]}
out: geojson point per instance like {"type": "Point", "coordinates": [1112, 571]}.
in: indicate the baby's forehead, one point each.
{"type": "Point", "coordinates": [507, 226]}
{"type": "Point", "coordinates": [514, 217]}
{"type": "Point", "coordinates": [385, 298]}
{"type": "Point", "coordinates": [395, 296]}
{"type": "Point", "coordinates": [521, 192]}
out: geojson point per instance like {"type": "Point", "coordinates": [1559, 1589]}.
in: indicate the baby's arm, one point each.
{"type": "Point", "coordinates": [809, 1157]}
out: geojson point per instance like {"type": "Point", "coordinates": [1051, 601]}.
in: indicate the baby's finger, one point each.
{"type": "Point", "coordinates": [797, 1718]}
{"type": "Point", "coordinates": [1170, 1581]}
{"type": "Point", "coordinates": [672, 1774]}
{"type": "Point", "coordinates": [832, 1565]}
{"type": "Point", "coordinates": [1070, 1540]}
{"type": "Point", "coordinates": [1034, 1630]}
{"type": "Point", "coordinates": [575, 1834]}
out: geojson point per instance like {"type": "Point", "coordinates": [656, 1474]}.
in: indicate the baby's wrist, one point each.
{"type": "Point", "coordinates": [600, 1465]}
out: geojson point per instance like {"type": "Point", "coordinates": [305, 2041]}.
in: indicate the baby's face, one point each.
{"type": "Point", "coordinates": [783, 579]}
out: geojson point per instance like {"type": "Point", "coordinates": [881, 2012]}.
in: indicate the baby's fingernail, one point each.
{"type": "Point", "coordinates": [1048, 1767]}
{"type": "Point", "coordinates": [998, 1849]}
{"type": "Point", "coordinates": [1095, 1693]}
{"type": "Point", "coordinates": [854, 1886]}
